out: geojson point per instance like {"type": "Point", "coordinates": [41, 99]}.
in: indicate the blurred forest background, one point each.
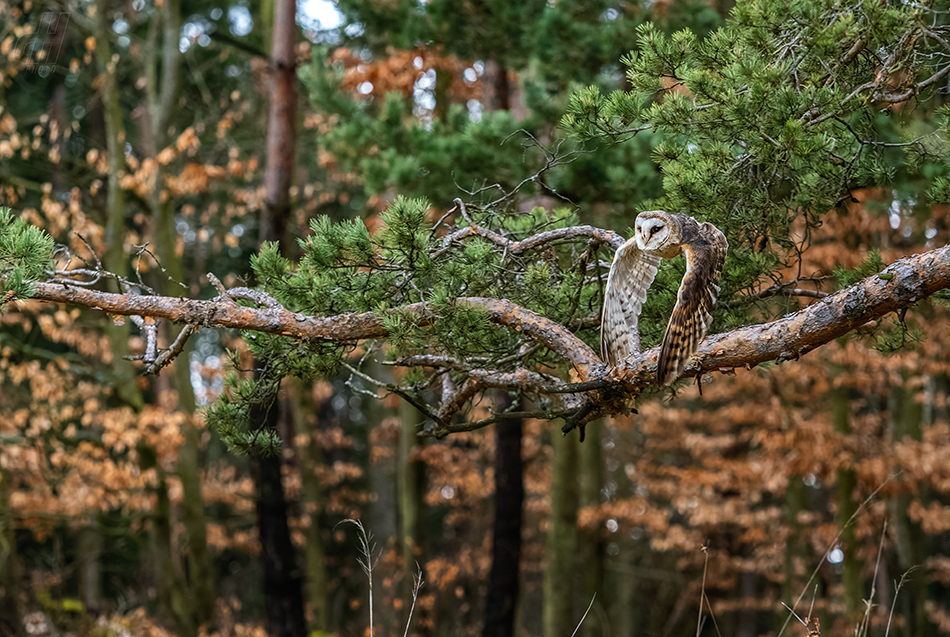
{"type": "Point", "coordinates": [824, 480]}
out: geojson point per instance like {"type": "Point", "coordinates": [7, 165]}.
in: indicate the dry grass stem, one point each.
{"type": "Point", "coordinates": [368, 549]}
{"type": "Point", "coordinates": [833, 543]}
{"type": "Point", "coordinates": [417, 582]}
{"type": "Point", "coordinates": [584, 616]}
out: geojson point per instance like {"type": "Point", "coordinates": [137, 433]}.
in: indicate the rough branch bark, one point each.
{"type": "Point", "coordinates": [224, 312]}
{"type": "Point", "coordinates": [608, 237]}
{"type": "Point", "coordinates": [599, 390]}
{"type": "Point", "coordinates": [898, 286]}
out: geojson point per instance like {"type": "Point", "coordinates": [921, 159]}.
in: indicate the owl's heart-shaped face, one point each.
{"type": "Point", "coordinates": [656, 234]}
{"type": "Point", "coordinates": [651, 233]}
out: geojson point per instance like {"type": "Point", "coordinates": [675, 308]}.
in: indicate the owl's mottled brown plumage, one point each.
{"type": "Point", "coordinates": [659, 234]}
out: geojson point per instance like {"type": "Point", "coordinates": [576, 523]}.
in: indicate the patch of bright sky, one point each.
{"type": "Point", "coordinates": [240, 19]}
{"type": "Point", "coordinates": [319, 14]}
{"type": "Point", "coordinates": [313, 15]}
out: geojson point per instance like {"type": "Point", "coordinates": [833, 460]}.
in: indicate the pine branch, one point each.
{"type": "Point", "coordinates": [343, 328]}
{"type": "Point", "coordinates": [601, 391]}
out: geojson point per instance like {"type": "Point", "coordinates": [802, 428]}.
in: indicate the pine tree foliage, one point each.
{"type": "Point", "coordinates": [389, 149]}
{"type": "Point", "coordinates": [553, 45]}
{"type": "Point", "coordinates": [26, 254]}
{"type": "Point", "coordinates": [772, 120]}
{"type": "Point", "coordinates": [761, 127]}
{"type": "Point", "coordinates": [346, 269]}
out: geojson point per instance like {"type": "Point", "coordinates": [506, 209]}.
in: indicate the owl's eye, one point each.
{"type": "Point", "coordinates": [654, 230]}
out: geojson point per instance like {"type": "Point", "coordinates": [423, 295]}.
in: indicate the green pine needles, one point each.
{"type": "Point", "coordinates": [346, 269]}
{"type": "Point", "coordinates": [26, 254]}
{"type": "Point", "coordinates": [760, 127]}
{"type": "Point", "coordinates": [770, 121]}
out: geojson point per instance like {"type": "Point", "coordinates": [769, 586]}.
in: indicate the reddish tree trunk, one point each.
{"type": "Point", "coordinates": [281, 123]}
{"type": "Point", "coordinates": [283, 577]}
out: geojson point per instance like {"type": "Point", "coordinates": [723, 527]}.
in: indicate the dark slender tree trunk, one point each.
{"type": "Point", "coordinates": [283, 577]}
{"type": "Point", "coordinates": [380, 517]}
{"type": "Point", "coordinates": [173, 602]}
{"type": "Point", "coordinates": [591, 547]}
{"type": "Point", "coordinates": [89, 558]}
{"type": "Point", "coordinates": [312, 502]}
{"type": "Point", "coordinates": [411, 488]}
{"type": "Point", "coordinates": [499, 90]}
{"type": "Point", "coordinates": [913, 546]}
{"type": "Point", "coordinates": [503, 580]}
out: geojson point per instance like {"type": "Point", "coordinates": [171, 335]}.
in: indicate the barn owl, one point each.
{"type": "Point", "coordinates": [662, 235]}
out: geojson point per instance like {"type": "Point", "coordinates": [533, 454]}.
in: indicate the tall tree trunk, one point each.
{"type": "Point", "coordinates": [89, 555]}
{"type": "Point", "coordinates": [628, 611]}
{"type": "Point", "coordinates": [124, 373]}
{"type": "Point", "coordinates": [383, 445]}
{"type": "Point", "coordinates": [201, 572]}
{"type": "Point", "coordinates": [797, 554]}
{"type": "Point", "coordinates": [591, 549]}
{"type": "Point", "coordinates": [410, 484]}
{"type": "Point", "coordinates": [559, 575]}
{"type": "Point", "coordinates": [309, 461]}
{"type": "Point", "coordinates": [281, 123]}
{"type": "Point", "coordinates": [504, 577]}
{"type": "Point", "coordinates": [499, 90]}
{"type": "Point", "coordinates": [283, 580]}
{"type": "Point", "coordinates": [172, 600]}
{"type": "Point", "coordinates": [88, 537]}
{"type": "Point", "coordinates": [168, 586]}
{"type": "Point", "coordinates": [847, 481]}
{"type": "Point", "coordinates": [162, 91]}
{"type": "Point", "coordinates": [443, 82]}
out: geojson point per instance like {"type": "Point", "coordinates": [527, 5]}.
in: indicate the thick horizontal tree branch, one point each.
{"type": "Point", "coordinates": [600, 390]}
{"type": "Point", "coordinates": [224, 312]}
{"type": "Point", "coordinates": [899, 286]}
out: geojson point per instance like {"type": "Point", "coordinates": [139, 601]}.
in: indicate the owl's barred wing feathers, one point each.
{"type": "Point", "coordinates": [631, 274]}
{"type": "Point", "coordinates": [662, 235]}
{"type": "Point", "coordinates": [705, 249]}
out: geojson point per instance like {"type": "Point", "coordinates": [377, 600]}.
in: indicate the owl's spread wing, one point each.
{"type": "Point", "coordinates": [631, 274]}
{"type": "Point", "coordinates": [705, 253]}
